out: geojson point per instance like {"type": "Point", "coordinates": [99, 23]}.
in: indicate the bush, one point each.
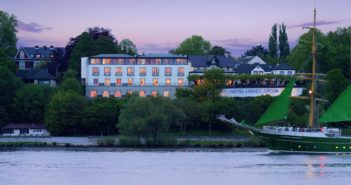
{"type": "Point", "coordinates": [106, 141]}
{"type": "Point", "coordinates": [165, 141]}
{"type": "Point", "coordinates": [128, 141]}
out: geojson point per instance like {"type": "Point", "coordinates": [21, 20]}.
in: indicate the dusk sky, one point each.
{"type": "Point", "coordinates": [157, 26]}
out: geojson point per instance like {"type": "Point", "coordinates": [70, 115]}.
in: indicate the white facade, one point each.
{"type": "Point", "coordinates": [114, 75]}
{"type": "Point", "coordinates": [31, 132]}
{"type": "Point", "coordinates": [256, 60]}
{"type": "Point", "coordinates": [284, 72]}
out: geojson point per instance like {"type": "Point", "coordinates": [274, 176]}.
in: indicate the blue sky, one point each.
{"type": "Point", "coordinates": [159, 25]}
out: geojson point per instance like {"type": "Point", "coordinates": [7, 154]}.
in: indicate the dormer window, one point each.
{"type": "Point", "coordinates": [213, 62]}
{"type": "Point", "coordinates": [22, 54]}
{"type": "Point", "coordinates": [37, 56]}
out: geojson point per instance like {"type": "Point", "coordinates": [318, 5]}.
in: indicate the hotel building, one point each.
{"type": "Point", "coordinates": [117, 75]}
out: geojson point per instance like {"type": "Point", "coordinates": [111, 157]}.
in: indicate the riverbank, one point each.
{"type": "Point", "coordinates": [96, 141]}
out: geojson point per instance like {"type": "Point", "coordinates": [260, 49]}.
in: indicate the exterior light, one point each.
{"type": "Point", "coordinates": [336, 147]}
{"type": "Point", "coordinates": [310, 92]}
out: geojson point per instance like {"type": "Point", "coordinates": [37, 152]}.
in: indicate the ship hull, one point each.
{"type": "Point", "coordinates": [287, 143]}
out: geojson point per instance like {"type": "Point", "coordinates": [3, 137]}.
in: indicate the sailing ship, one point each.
{"type": "Point", "coordinates": [312, 139]}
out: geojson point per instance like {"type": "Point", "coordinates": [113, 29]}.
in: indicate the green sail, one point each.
{"type": "Point", "coordinates": [340, 110]}
{"type": "Point", "coordinates": [279, 108]}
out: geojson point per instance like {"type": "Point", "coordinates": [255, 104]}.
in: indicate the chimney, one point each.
{"type": "Point", "coordinates": [51, 47]}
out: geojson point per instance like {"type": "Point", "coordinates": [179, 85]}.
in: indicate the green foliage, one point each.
{"type": "Point", "coordinates": [88, 45]}
{"type": "Point", "coordinates": [336, 84]}
{"type": "Point", "coordinates": [284, 49]}
{"type": "Point", "coordinates": [128, 47]}
{"type": "Point", "coordinates": [101, 115]}
{"type": "Point", "coordinates": [9, 84]}
{"type": "Point", "coordinates": [273, 42]}
{"type": "Point", "coordinates": [31, 102]}
{"type": "Point", "coordinates": [71, 84]}
{"type": "Point", "coordinates": [9, 65]}
{"type": "Point", "coordinates": [214, 82]}
{"type": "Point", "coordinates": [148, 117]}
{"type": "Point", "coordinates": [64, 113]}
{"type": "Point", "coordinates": [192, 111]}
{"type": "Point", "coordinates": [106, 141]}
{"type": "Point", "coordinates": [8, 31]}
{"type": "Point", "coordinates": [217, 50]}
{"type": "Point", "coordinates": [195, 45]}
{"type": "Point", "coordinates": [183, 93]}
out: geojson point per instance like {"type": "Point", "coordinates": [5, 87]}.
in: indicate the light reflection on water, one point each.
{"type": "Point", "coordinates": [174, 167]}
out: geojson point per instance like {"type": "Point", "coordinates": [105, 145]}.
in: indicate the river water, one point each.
{"type": "Point", "coordinates": [35, 166]}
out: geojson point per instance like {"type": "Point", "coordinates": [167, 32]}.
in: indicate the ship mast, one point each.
{"type": "Point", "coordinates": [313, 83]}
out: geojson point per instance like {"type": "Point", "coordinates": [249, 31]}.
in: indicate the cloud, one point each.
{"type": "Point", "coordinates": [238, 46]}
{"type": "Point", "coordinates": [318, 23]}
{"type": "Point", "coordinates": [156, 48]}
{"type": "Point", "coordinates": [31, 27]}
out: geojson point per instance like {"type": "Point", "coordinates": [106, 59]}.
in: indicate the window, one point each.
{"type": "Point", "coordinates": [107, 82]}
{"type": "Point", "coordinates": [180, 71]}
{"type": "Point", "coordinates": [142, 71]}
{"type": "Point", "coordinates": [166, 93]}
{"type": "Point", "coordinates": [289, 73]}
{"type": "Point", "coordinates": [166, 61]}
{"type": "Point", "coordinates": [154, 93]}
{"type": "Point", "coordinates": [95, 71]}
{"type": "Point", "coordinates": [142, 94]}
{"type": "Point", "coordinates": [155, 71]}
{"type": "Point", "coordinates": [180, 82]}
{"type": "Point", "coordinates": [181, 61]}
{"type": "Point", "coordinates": [95, 61]}
{"type": "Point", "coordinates": [119, 61]}
{"type": "Point", "coordinates": [130, 81]}
{"type": "Point", "coordinates": [96, 81]}
{"type": "Point", "coordinates": [129, 93]}
{"type": "Point", "coordinates": [130, 71]}
{"type": "Point", "coordinates": [281, 72]}
{"type": "Point", "coordinates": [142, 81]}
{"type": "Point", "coordinates": [105, 94]}
{"type": "Point", "coordinates": [118, 94]}
{"type": "Point", "coordinates": [106, 61]}
{"type": "Point", "coordinates": [255, 72]}
{"type": "Point", "coordinates": [141, 61]}
{"type": "Point", "coordinates": [37, 56]}
{"type": "Point", "coordinates": [118, 71]}
{"type": "Point", "coordinates": [93, 94]}
{"type": "Point", "coordinates": [155, 81]}
{"type": "Point", "coordinates": [118, 81]}
{"type": "Point", "coordinates": [156, 61]}
{"type": "Point", "coordinates": [168, 82]}
{"type": "Point", "coordinates": [260, 72]}
{"type": "Point", "coordinates": [168, 71]}
{"type": "Point", "coordinates": [22, 54]}
{"type": "Point", "coordinates": [107, 71]}
{"type": "Point", "coordinates": [22, 65]}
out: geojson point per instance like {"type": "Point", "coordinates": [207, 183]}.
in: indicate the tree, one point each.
{"type": "Point", "coordinates": [214, 82]}
{"type": "Point", "coordinates": [284, 49]}
{"type": "Point", "coordinates": [9, 84]}
{"type": "Point", "coordinates": [101, 115]}
{"type": "Point", "coordinates": [148, 117]}
{"type": "Point", "coordinates": [128, 47]}
{"type": "Point", "coordinates": [217, 50]}
{"type": "Point", "coordinates": [257, 51]}
{"type": "Point", "coordinates": [71, 84]}
{"type": "Point", "coordinates": [64, 113]}
{"type": "Point", "coordinates": [336, 84]}
{"type": "Point", "coordinates": [192, 111]}
{"type": "Point", "coordinates": [195, 45]}
{"type": "Point", "coordinates": [91, 42]}
{"type": "Point", "coordinates": [8, 32]}
{"type": "Point", "coordinates": [273, 42]}
{"type": "Point", "coordinates": [31, 102]}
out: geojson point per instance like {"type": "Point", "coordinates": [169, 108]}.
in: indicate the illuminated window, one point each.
{"type": "Point", "coordinates": [93, 94]}
{"type": "Point", "coordinates": [156, 61]}
{"type": "Point", "coordinates": [166, 61]}
{"type": "Point", "coordinates": [95, 71]}
{"type": "Point", "coordinates": [181, 61]}
{"type": "Point", "coordinates": [141, 61]}
{"type": "Point", "coordinates": [168, 81]}
{"type": "Point", "coordinates": [166, 93]}
{"type": "Point", "coordinates": [107, 71]}
{"type": "Point", "coordinates": [180, 71]}
{"type": "Point", "coordinates": [155, 81]}
{"type": "Point", "coordinates": [105, 94]}
{"type": "Point", "coordinates": [118, 71]}
{"type": "Point", "coordinates": [142, 71]}
{"type": "Point", "coordinates": [95, 61]}
{"type": "Point", "coordinates": [96, 81]}
{"type": "Point", "coordinates": [168, 71]}
{"type": "Point", "coordinates": [142, 93]}
{"type": "Point", "coordinates": [106, 61]}
{"type": "Point", "coordinates": [180, 82]}
{"type": "Point", "coordinates": [130, 81]}
{"type": "Point", "coordinates": [154, 93]}
{"type": "Point", "coordinates": [107, 82]}
{"type": "Point", "coordinates": [142, 81]}
{"type": "Point", "coordinates": [130, 71]}
{"type": "Point", "coordinates": [155, 71]}
{"type": "Point", "coordinates": [118, 94]}
{"type": "Point", "coordinates": [129, 93]}
{"type": "Point", "coordinates": [119, 61]}
{"type": "Point", "coordinates": [118, 81]}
